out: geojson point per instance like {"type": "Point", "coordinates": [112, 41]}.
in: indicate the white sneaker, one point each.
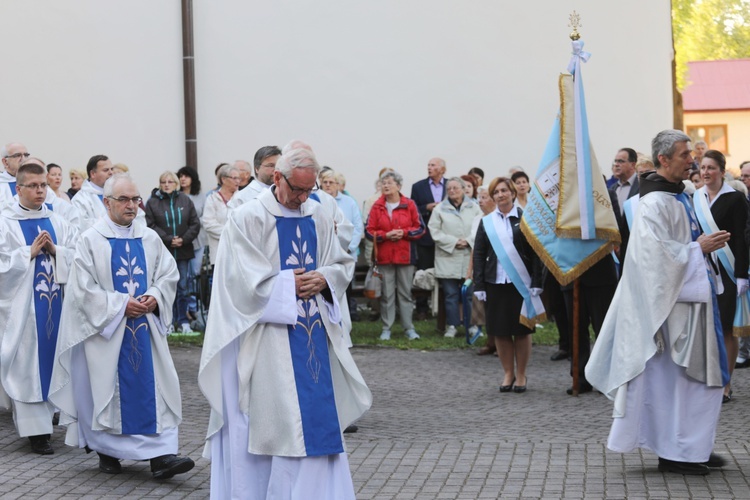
{"type": "Point", "coordinates": [450, 332]}
{"type": "Point", "coordinates": [386, 335]}
{"type": "Point", "coordinates": [170, 329]}
{"type": "Point", "coordinates": [473, 329]}
{"type": "Point", "coordinates": [185, 328]}
{"type": "Point", "coordinates": [411, 334]}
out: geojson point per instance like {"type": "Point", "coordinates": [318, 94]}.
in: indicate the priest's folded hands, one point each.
{"type": "Point", "coordinates": [308, 284]}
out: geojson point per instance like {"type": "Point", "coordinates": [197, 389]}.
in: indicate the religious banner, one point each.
{"type": "Point", "coordinates": [568, 219]}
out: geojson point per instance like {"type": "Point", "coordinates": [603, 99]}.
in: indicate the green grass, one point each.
{"type": "Point", "coordinates": [367, 333]}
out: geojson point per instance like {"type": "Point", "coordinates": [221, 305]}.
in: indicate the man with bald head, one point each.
{"type": "Point", "coordinates": [427, 193]}
{"type": "Point", "coordinates": [36, 250]}
{"type": "Point", "coordinates": [13, 154]}
{"type": "Point", "coordinates": [114, 380]}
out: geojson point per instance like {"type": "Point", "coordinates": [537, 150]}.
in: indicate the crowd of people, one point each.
{"type": "Point", "coordinates": [95, 278]}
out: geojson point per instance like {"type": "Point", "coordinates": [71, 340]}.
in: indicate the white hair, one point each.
{"type": "Point", "coordinates": [109, 185]}
{"type": "Point", "coordinates": [296, 158]}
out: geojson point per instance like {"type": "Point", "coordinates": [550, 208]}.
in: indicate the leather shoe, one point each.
{"type": "Point", "coordinates": [486, 350]}
{"type": "Point", "coordinates": [508, 388]}
{"type": "Point", "coordinates": [715, 461]}
{"type": "Point", "coordinates": [41, 445]}
{"type": "Point", "coordinates": [351, 429]}
{"type": "Point", "coordinates": [109, 465]}
{"type": "Point", "coordinates": [559, 356]}
{"type": "Point", "coordinates": [684, 468]}
{"type": "Point", "coordinates": [744, 364]}
{"type": "Point", "coordinates": [518, 389]}
{"type": "Point", "coordinates": [583, 387]}
{"type": "Point", "coordinates": [167, 466]}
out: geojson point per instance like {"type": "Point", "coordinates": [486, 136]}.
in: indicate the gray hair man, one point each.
{"type": "Point", "coordinates": [648, 358]}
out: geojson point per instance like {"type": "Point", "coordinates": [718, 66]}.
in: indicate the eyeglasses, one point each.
{"type": "Point", "coordinates": [18, 155]}
{"type": "Point", "coordinates": [620, 162]}
{"type": "Point", "coordinates": [168, 181]}
{"type": "Point", "coordinates": [125, 200]}
{"type": "Point", "coordinates": [299, 191]}
{"type": "Point", "coordinates": [34, 187]}
{"type": "Point", "coordinates": [268, 165]}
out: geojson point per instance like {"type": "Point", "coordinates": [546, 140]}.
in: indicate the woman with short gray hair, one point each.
{"type": "Point", "coordinates": [215, 212]}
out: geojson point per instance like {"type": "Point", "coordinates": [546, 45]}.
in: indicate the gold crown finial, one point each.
{"type": "Point", "coordinates": [575, 23]}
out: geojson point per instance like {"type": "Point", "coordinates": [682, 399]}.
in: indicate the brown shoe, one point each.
{"type": "Point", "coordinates": [484, 351]}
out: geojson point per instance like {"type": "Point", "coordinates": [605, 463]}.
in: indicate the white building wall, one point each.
{"type": "Point", "coordinates": [367, 83]}
{"type": "Point", "coordinates": [738, 130]}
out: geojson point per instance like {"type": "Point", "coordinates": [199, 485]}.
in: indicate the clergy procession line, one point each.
{"type": "Point", "coordinates": [92, 287]}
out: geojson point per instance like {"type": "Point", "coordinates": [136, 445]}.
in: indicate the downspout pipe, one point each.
{"type": "Point", "coordinates": [188, 78]}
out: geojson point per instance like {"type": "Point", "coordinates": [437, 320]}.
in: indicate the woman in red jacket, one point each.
{"type": "Point", "coordinates": [394, 223]}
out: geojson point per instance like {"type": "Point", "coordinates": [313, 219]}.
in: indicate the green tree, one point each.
{"type": "Point", "coordinates": [707, 30]}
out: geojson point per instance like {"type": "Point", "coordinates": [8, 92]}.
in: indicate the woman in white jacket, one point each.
{"type": "Point", "coordinates": [450, 227]}
{"type": "Point", "coordinates": [216, 211]}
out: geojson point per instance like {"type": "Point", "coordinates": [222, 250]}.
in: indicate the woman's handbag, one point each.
{"type": "Point", "coordinates": [373, 280]}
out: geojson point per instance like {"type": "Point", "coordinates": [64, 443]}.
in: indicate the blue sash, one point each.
{"type": "Point", "coordinates": [741, 320]}
{"type": "Point", "coordinates": [135, 367]}
{"type": "Point", "coordinates": [12, 186]}
{"type": "Point", "coordinates": [629, 207]}
{"type": "Point", "coordinates": [47, 300]}
{"type": "Point", "coordinates": [532, 310]}
{"type": "Point", "coordinates": [695, 232]}
{"type": "Point", "coordinates": [308, 341]}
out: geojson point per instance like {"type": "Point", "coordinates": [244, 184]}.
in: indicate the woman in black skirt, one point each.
{"type": "Point", "coordinates": [492, 283]}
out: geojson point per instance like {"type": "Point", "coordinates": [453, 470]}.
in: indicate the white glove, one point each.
{"type": "Point", "coordinates": [536, 292]}
{"type": "Point", "coordinates": [481, 296]}
{"type": "Point", "coordinates": [742, 286]}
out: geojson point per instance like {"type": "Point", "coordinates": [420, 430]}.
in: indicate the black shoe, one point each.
{"type": "Point", "coordinates": [56, 418]}
{"type": "Point", "coordinates": [109, 465]}
{"type": "Point", "coordinates": [41, 445]}
{"type": "Point", "coordinates": [684, 468]}
{"type": "Point", "coordinates": [518, 389]}
{"type": "Point", "coordinates": [351, 429]}
{"type": "Point", "coordinates": [559, 356]}
{"type": "Point", "coordinates": [508, 388]}
{"type": "Point", "coordinates": [726, 398]}
{"type": "Point", "coordinates": [715, 461]}
{"type": "Point", "coordinates": [583, 387]}
{"type": "Point", "coordinates": [166, 466]}
{"type": "Point", "coordinates": [744, 364]}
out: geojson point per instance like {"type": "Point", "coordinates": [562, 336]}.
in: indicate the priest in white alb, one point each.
{"type": "Point", "coordinates": [114, 380]}
{"type": "Point", "coordinates": [275, 366]}
{"type": "Point", "coordinates": [660, 352]}
{"type": "Point", "coordinates": [36, 249]}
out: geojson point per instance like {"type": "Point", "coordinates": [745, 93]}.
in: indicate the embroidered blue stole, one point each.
{"type": "Point", "coordinates": [695, 232]}
{"type": "Point", "coordinates": [47, 300]}
{"type": "Point", "coordinates": [135, 367]}
{"type": "Point", "coordinates": [308, 342]}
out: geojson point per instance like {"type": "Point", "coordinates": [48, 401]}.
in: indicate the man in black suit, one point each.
{"type": "Point", "coordinates": [626, 187]}
{"type": "Point", "coordinates": [427, 193]}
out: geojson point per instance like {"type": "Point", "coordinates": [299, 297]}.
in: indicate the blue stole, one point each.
{"type": "Point", "coordinates": [101, 197]}
{"type": "Point", "coordinates": [12, 186]}
{"type": "Point", "coordinates": [135, 367]}
{"type": "Point", "coordinates": [47, 300]}
{"type": "Point", "coordinates": [308, 341]}
{"type": "Point", "coordinates": [695, 232]}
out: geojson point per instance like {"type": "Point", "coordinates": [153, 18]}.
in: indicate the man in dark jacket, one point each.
{"type": "Point", "coordinates": [173, 216]}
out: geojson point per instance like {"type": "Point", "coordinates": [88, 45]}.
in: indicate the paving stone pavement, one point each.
{"type": "Point", "coordinates": [438, 429]}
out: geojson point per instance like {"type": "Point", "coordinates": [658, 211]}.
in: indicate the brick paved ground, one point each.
{"type": "Point", "coordinates": [438, 429]}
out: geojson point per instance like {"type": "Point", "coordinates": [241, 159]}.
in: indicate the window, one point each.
{"type": "Point", "coordinates": [715, 136]}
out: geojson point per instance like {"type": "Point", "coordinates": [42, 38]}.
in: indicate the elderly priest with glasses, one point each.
{"type": "Point", "coordinates": [114, 380]}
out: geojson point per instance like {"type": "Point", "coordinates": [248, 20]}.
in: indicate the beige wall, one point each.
{"type": "Point", "coordinates": [367, 84]}
{"type": "Point", "coordinates": [738, 132]}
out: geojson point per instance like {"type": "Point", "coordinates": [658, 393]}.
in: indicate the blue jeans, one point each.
{"type": "Point", "coordinates": [179, 309]}
{"type": "Point", "coordinates": [452, 292]}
